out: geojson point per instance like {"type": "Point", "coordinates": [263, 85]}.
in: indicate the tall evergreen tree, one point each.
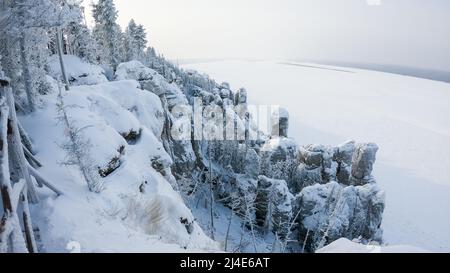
{"type": "Point", "coordinates": [129, 40]}
{"type": "Point", "coordinates": [80, 41]}
{"type": "Point", "coordinates": [24, 34]}
{"type": "Point", "coordinates": [135, 41]}
{"type": "Point", "coordinates": [107, 31]}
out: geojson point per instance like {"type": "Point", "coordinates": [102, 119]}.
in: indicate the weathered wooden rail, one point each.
{"type": "Point", "coordinates": [18, 177]}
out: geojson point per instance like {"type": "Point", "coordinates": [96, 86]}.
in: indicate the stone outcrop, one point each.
{"type": "Point", "coordinates": [362, 163]}
{"type": "Point", "coordinates": [274, 205]}
{"type": "Point", "coordinates": [313, 194]}
{"type": "Point", "coordinates": [332, 211]}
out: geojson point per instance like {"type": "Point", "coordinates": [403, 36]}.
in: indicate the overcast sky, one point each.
{"type": "Point", "coordinates": [402, 32]}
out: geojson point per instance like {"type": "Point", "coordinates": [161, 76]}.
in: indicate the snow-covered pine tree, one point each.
{"type": "Point", "coordinates": [79, 39]}
{"type": "Point", "coordinates": [107, 32]}
{"type": "Point", "coordinates": [129, 40]}
{"type": "Point", "coordinates": [150, 57]}
{"type": "Point", "coordinates": [26, 25]}
{"type": "Point", "coordinates": [135, 41]}
{"type": "Point", "coordinates": [17, 19]}
{"type": "Point", "coordinates": [140, 40]}
{"type": "Point", "coordinates": [77, 148]}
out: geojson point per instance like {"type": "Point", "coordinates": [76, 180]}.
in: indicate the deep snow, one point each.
{"type": "Point", "coordinates": [346, 246]}
{"type": "Point", "coordinates": [138, 209]}
{"type": "Point", "coordinates": [409, 118]}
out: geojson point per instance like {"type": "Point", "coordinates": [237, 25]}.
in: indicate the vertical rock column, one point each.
{"type": "Point", "coordinates": [362, 164]}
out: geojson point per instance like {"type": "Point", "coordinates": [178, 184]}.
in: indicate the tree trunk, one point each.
{"type": "Point", "coordinates": [26, 73]}
{"type": "Point", "coordinates": [61, 61]}
{"type": "Point", "coordinates": [31, 159]}
{"type": "Point", "coordinates": [41, 180]}
{"type": "Point", "coordinates": [26, 140]}
{"type": "Point", "coordinates": [16, 146]}
{"type": "Point", "coordinates": [211, 200]}
{"type": "Point", "coordinates": [228, 229]}
{"type": "Point", "coordinates": [10, 232]}
{"type": "Point", "coordinates": [29, 233]}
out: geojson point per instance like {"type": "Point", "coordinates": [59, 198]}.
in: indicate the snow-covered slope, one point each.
{"type": "Point", "coordinates": [138, 209]}
{"type": "Point", "coordinates": [409, 118]}
{"type": "Point", "coordinates": [347, 246]}
{"type": "Point", "coordinates": [78, 71]}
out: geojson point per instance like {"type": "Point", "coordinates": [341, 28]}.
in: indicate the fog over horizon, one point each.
{"type": "Point", "coordinates": [410, 33]}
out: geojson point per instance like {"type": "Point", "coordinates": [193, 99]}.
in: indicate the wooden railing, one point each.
{"type": "Point", "coordinates": [17, 178]}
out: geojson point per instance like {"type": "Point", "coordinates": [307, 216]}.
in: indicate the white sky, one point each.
{"type": "Point", "coordinates": [403, 32]}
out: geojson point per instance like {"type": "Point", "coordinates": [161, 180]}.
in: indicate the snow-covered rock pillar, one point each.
{"type": "Point", "coordinates": [362, 163]}
{"type": "Point", "coordinates": [280, 122]}
{"type": "Point", "coordinates": [274, 205]}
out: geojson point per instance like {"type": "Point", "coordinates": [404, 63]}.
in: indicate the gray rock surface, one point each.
{"type": "Point", "coordinates": [362, 163]}
{"type": "Point", "coordinates": [332, 211]}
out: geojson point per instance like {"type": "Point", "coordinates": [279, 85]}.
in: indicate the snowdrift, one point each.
{"type": "Point", "coordinates": [78, 72]}
{"type": "Point", "coordinates": [347, 246]}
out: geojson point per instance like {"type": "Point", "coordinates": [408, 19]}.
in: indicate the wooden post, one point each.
{"type": "Point", "coordinates": [26, 140]}
{"type": "Point", "coordinates": [41, 180]}
{"type": "Point", "coordinates": [16, 144]}
{"type": "Point", "coordinates": [32, 159]}
{"type": "Point", "coordinates": [10, 231]}
{"type": "Point", "coordinates": [29, 233]}
{"type": "Point", "coordinates": [15, 195]}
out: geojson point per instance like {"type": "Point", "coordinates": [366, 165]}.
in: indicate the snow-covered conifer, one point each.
{"type": "Point", "coordinates": [108, 32]}
{"type": "Point", "coordinates": [135, 41]}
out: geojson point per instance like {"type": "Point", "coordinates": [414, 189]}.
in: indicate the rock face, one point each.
{"type": "Point", "coordinates": [274, 205]}
{"type": "Point", "coordinates": [343, 156]}
{"type": "Point", "coordinates": [152, 81]}
{"type": "Point", "coordinates": [336, 193]}
{"type": "Point", "coordinates": [332, 211]}
{"type": "Point", "coordinates": [313, 194]}
{"type": "Point", "coordinates": [316, 166]}
{"type": "Point", "coordinates": [280, 123]}
{"type": "Point", "coordinates": [362, 163]}
{"type": "Point", "coordinates": [241, 97]}
{"type": "Point", "coordinates": [279, 158]}
{"type": "Point", "coordinates": [252, 164]}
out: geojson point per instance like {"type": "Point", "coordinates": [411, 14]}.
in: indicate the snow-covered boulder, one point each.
{"type": "Point", "coordinates": [78, 72]}
{"type": "Point", "coordinates": [152, 81]}
{"type": "Point", "coordinates": [332, 211]}
{"type": "Point", "coordinates": [145, 106]}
